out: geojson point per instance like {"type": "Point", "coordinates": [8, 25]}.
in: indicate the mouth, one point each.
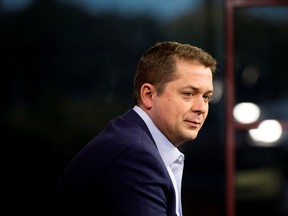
{"type": "Point", "coordinates": [193, 124]}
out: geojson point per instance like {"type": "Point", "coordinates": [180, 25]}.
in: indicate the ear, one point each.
{"type": "Point", "coordinates": [146, 94]}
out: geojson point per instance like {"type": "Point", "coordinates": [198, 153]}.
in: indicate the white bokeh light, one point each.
{"type": "Point", "coordinates": [246, 112]}
{"type": "Point", "coordinates": [267, 133]}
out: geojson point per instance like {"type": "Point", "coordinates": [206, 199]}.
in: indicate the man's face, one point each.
{"type": "Point", "coordinates": [181, 109]}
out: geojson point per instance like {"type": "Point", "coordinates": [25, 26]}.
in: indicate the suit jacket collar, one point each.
{"type": "Point", "coordinates": [132, 116]}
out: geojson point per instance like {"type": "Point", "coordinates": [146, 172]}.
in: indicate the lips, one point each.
{"type": "Point", "coordinates": [194, 121]}
{"type": "Point", "coordinates": [193, 124]}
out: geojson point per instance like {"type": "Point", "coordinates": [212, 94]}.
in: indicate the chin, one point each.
{"type": "Point", "coordinates": [194, 136]}
{"type": "Point", "coordinates": [191, 137]}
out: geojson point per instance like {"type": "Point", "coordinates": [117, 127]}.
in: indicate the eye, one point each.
{"type": "Point", "coordinates": [188, 94]}
{"type": "Point", "coordinates": [207, 98]}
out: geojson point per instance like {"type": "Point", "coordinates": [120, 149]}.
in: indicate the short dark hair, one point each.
{"type": "Point", "coordinates": [158, 64]}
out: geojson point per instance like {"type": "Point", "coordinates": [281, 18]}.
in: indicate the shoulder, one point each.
{"type": "Point", "coordinates": [124, 134]}
{"type": "Point", "coordinates": [129, 130]}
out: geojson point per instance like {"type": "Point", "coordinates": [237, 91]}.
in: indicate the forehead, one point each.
{"type": "Point", "coordinates": [191, 74]}
{"type": "Point", "coordinates": [192, 69]}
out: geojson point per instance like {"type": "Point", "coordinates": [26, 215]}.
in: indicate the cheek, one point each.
{"type": "Point", "coordinates": [167, 104]}
{"type": "Point", "coordinates": [161, 109]}
{"type": "Point", "coordinates": [205, 114]}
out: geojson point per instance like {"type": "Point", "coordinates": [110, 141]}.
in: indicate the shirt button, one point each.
{"type": "Point", "coordinates": [181, 158]}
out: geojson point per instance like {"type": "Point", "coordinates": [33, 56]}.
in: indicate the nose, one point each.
{"type": "Point", "coordinates": [200, 105]}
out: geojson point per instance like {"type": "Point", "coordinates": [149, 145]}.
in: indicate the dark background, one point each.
{"type": "Point", "coordinates": [66, 73]}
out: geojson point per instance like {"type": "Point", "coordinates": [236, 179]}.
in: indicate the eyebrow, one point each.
{"type": "Point", "coordinates": [197, 89]}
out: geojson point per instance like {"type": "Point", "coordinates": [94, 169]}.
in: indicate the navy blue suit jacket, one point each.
{"type": "Point", "coordinates": [120, 172]}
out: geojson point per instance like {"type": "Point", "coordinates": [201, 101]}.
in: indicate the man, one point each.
{"type": "Point", "coordinates": [133, 167]}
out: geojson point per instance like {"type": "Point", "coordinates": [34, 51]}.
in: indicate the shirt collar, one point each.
{"type": "Point", "coordinates": [169, 153]}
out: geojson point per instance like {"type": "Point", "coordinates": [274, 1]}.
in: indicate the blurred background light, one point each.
{"type": "Point", "coordinates": [246, 112]}
{"type": "Point", "coordinates": [267, 133]}
{"type": "Point", "coordinates": [217, 91]}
